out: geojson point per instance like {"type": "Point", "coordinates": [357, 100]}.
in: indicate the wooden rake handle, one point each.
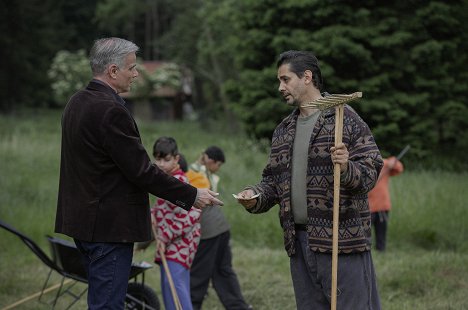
{"type": "Point", "coordinates": [339, 112]}
{"type": "Point", "coordinates": [177, 303]}
{"type": "Point", "coordinates": [337, 101]}
{"type": "Point", "coordinates": [19, 302]}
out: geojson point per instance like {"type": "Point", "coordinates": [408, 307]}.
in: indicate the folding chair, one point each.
{"type": "Point", "coordinates": [67, 262]}
{"type": "Point", "coordinates": [36, 250]}
{"type": "Point", "coordinates": [67, 258]}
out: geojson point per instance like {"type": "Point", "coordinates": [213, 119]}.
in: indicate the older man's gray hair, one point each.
{"type": "Point", "coordinates": [109, 51]}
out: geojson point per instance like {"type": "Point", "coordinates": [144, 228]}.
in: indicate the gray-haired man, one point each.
{"type": "Point", "coordinates": [106, 175]}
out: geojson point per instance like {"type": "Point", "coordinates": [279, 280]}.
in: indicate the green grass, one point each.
{"type": "Point", "coordinates": [425, 266]}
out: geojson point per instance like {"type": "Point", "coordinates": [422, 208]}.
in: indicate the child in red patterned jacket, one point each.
{"type": "Point", "coordinates": [178, 230]}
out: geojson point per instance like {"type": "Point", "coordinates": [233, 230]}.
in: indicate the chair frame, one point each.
{"type": "Point", "coordinates": [69, 269]}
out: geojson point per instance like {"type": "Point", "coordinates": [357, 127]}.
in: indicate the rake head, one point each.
{"type": "Point", "coordinates": [331, 101]}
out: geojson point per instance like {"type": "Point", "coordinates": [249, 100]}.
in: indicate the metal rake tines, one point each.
{"type": "Point", "coordinates": [331, 101]}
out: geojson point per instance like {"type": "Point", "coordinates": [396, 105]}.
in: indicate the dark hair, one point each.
{"type": "Point", "coordinates": [165, 146]}
{"type": "Point", "coordinates": [183, 163]}
{"type": "Point", "coordinates": [215, 153]}
{"type": "Point", "coordinates": [300, 61]}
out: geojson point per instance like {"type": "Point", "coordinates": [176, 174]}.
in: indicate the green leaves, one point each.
{"type": "Point", "coordinates": [408, 58]}
{"type": "Point", "coordinates": [69, 72]}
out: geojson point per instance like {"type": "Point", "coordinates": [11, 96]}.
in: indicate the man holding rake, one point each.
{"type": "Point", "coordinates": [299, 176]}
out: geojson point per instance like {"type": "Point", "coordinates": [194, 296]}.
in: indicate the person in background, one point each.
{"type": "Point", "coordinates": [299, 177]}
{"type": "Point", "coordinates": [379, 200]}
{"type": "Point", "coordinates": [106, 175]}
{"type": "Point", "coordinates": [177, 230]}
{"type": "Point", "coordinates": [183, 163]}
{"type": "Point", "coordinates": [213, 260]}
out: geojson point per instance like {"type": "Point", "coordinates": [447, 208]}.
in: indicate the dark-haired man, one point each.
{"type": "Point", "coordinates": [299, 177]}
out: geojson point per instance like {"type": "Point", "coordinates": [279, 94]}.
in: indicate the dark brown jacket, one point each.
{"type": "Point", "coordinates": [106, 174]}
{"type": "Point", "coordinates": [364, 166]}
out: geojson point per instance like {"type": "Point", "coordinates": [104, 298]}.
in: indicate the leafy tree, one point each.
{"type": "Point", "coordinates": [406, 57]}
{"type": "Point", "coordinates": [79, 28]}
{"type": "Point", "coordinates": [31, 33]}
{"type": "Point", "coordinates": [141, 21]}
{"type": "Point", "coordinates": [28, 38]}
{"type": "Point", "coordinates": [199, 26]}
{"type": "Point", "coordinates": [167, 75]}
{"type": "Point", "coordinates": [70, 72]}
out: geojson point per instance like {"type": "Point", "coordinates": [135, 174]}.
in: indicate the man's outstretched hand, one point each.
{"type": "Point", "coordinates": [247, 198]}
{"type": "Point", "coordinates": [206, 198]}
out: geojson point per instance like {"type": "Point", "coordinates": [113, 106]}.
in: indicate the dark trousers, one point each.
{"type": "Point", "coordinates": [108, 268]}
{"type": "Point", "coordinates": [213, 261]}
{"type": "Point", "coordinates": [311, 275]}
{"type": "Point", "coordinates": [380, 224]}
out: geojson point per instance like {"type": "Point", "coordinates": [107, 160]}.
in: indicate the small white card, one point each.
{"type": "Point", "coordinates": [253, 197]}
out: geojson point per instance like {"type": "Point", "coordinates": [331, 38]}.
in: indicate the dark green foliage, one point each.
{"type": "Point", "coordinates": [140, 21]}
{"type": "Point", "coordinates": [28, 32]}
{"type": "Point", "coordinates": [31, 32]}
{"type": "Point", "coordinates": [408, 59]}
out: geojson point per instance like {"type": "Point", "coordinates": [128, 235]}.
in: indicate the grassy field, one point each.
{"type": "Point", "coordinates": [425, 266]}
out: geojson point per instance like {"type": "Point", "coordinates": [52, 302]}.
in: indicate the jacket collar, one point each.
{"type": "Point", "coordinates": [100, 86]}
{"type": "Point", "coordinates": [95, 84]}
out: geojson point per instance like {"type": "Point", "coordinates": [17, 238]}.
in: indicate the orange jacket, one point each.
{"type": "Point", "coordinates": [379, 196]}
{"type": "Point", "coordinates": [197, 179]}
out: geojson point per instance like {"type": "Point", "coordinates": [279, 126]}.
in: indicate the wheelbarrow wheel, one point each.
{"type": "Point", "coordinates": [140, 296]}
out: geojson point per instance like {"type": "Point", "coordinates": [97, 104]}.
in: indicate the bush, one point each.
{"type": "Point", "coordinates": [168, 75]}
{"type": "Point", "coordinates": [69, 72]}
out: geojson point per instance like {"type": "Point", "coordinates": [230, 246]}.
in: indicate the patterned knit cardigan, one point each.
{"type": "Point", "coordinates": [177, 228]}
{"type": "Point", "coordinates": [365, 163]}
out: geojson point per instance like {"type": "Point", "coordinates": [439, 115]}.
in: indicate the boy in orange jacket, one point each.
{"type": "Point", "coordinates": [379, 200]}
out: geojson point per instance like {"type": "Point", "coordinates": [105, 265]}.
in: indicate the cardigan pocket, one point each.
{"type": "Point", "coordinates": [350, 224]}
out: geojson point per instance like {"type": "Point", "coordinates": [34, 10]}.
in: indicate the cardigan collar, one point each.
{"type": "Point", "coordinates": [291, 119]}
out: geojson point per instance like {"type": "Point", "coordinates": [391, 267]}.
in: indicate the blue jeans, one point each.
{"type": "Point", "coordinates": [181, 278]}
{"type": "Point", "coordinates": [108, 268]}
{"type": "Point", "coordinates": [311, 275]}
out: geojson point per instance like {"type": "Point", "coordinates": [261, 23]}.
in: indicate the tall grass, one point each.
{"type": "Point", "coordinates": [429, 210]}
{"type": "Point", "coordinates": [424, 267]}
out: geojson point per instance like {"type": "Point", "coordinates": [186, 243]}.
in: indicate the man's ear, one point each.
{"type": "Point", "coordinates": [112, 71]}
{"type": "Point", "coordinates": [204, 158]}
{"type": "Point", "coordinates": [177, 158]}
{"type": "Point", "coordinates": [308, 76]}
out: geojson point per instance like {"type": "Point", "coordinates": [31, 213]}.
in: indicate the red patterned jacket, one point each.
{"type": "Point", "coordinates": [177, 228]}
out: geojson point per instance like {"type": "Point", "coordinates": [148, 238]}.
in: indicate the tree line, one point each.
{"type": "Point", "coordinates": [407, 57]}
